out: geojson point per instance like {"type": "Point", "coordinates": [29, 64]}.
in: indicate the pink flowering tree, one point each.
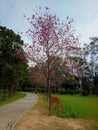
{"type": "Point", "coordinates": [49, 37]}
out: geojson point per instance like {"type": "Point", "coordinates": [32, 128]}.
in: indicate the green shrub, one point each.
{"type": "Point", "coordinates": [84, 93]}
{"type": "Point", "coordinates": [71, 92]}
{"type": "Point", "coordinates": [77, 91]}
{"type": "Point", "coordinates": [67, 91]}
{"type": "Point", "coordinates": [97, 92]}
{"type": "Point", "coordinates": [62, 91]}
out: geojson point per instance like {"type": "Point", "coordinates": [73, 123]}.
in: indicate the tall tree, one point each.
{"type": "Point", "coordinates": [49, 38]}
{"type": "Point", "coordinates": [92, 56]}
{"type": "Point", "coordinates": [12, 59]}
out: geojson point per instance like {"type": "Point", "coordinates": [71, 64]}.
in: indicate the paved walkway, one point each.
{"type": "Point", "coordinates": [10, 113]}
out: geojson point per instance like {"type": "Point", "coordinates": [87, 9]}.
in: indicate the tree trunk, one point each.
{"type": "Point", "coordinates": [11, 91]}
{"type": "Point", "coordinates": [90, 90]}
{"type": "Point", "coordinates": [48, 86]}
{"type": "Point", "coordinates": [49, 94]}
{"type": "Point", "coordinates": [4, 93]}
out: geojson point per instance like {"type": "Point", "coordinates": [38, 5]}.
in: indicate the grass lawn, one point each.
{"type": "Point", "coordinates": [80, 106]}
{"type": "Point", "coordinates": [17, 96]}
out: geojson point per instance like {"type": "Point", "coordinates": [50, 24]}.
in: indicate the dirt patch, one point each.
{"type": "Point", "coordinates": [38, 119]}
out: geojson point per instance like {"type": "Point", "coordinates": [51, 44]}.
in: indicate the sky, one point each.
{"type": "Point", "coordinates": [84, 13]}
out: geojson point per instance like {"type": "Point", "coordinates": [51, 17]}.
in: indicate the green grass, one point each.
{"type": "Point", "coordinates": [79, 106]}
{"type": "Point", "coordinates": [17, 96]}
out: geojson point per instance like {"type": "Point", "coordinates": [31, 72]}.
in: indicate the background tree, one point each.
{"type": "Point", "coordinates": [13, 61]}
{"type": "Point", "coordinates": [36, 78]}
{"type": "Point", "coordinates": [91, 51]}
{"type": "Point", "coordinates": [38, 75]}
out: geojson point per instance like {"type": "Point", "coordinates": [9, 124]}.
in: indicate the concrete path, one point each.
{"type": "Point", "coordinates": [10, 113]}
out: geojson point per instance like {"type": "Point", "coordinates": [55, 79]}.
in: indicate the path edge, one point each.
{"type": "Point", "coordinates": [13, 125]}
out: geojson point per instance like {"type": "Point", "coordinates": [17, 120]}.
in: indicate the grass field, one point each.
{"type": "Point", "coordinates": [17, 96]}
{"type": "Point", "coordinates": [80, 107]}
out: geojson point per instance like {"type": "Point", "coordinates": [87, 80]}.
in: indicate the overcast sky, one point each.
{"type": "Point", "coordinates": [84, 12]}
